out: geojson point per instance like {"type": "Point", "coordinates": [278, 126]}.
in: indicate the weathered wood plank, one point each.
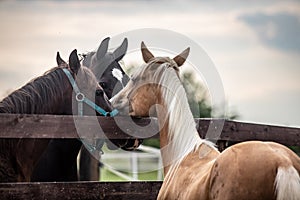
{"type": "Point", "coordinates": [54, 126]}
{"type": "Point", "coordinates": [81, 190]}
{"type": "Point", "coordinates": [241, 131]}
{"type": "Point", "coordinates": [58, 126]}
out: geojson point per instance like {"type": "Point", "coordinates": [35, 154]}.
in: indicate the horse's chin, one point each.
{"type": "Point", "coordinates": [150, 113]}
{"type": "Point", "coordinates": [134, 146]}
{"type": "Point", "coordinates": [133, 115]}
{"type": "Point", "coordinates": [128, 145]}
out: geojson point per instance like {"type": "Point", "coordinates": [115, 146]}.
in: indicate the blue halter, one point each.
{"type": "Point", "coordinates": [80, 98]}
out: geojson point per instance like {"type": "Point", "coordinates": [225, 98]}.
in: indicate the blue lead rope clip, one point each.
{"type": "Point", "coordinates": [114, 112]}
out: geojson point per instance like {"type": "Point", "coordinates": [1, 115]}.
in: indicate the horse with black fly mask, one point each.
{"type": "Point", "coordinates": [59, 162]}
{"type": "Point", "coordinates": [112, 78]}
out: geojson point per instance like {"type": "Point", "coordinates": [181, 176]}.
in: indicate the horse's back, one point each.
{"type": "Point", "coordinates": [287, 153]}
{"type": "Point", "coordinates": [248, 170]}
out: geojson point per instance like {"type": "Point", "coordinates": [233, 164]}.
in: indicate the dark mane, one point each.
{"type": "Point", "coordinates": [35, 96]}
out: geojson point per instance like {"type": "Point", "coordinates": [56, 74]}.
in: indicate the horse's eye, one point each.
{"type": "Point", "coordinates": [103, 85]}
{"type": "Point", "coordinates": [99, 92]}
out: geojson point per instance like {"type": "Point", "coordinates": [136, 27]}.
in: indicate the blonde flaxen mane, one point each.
{"type": "Point", "coordinates": [182, 131]}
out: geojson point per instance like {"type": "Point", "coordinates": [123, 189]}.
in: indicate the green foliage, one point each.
{"type": "Point", "coordinates": [152, 142]}
{"type": "Point", "coordinates": [196, 95]}
{"type": "Point", "coordinates": [296, 149]}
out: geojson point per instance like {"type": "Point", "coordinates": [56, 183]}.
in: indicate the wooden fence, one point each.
{"type": "Point", "coordinates": [63, 127]}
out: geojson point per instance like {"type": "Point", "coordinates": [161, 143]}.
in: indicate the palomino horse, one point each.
{"type": "Point", "coordinates": [193, 168]}
{"type": "Point", "coordinates": [51, 93]}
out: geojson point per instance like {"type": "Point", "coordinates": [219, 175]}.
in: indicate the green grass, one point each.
{"type": "Point", "coordinates": [148, 176]}
{"type": "Point", "coordinates": [106, 175]}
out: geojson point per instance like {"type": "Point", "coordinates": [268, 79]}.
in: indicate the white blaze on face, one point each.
{"type": "Point", "coordinates": [118, 75]}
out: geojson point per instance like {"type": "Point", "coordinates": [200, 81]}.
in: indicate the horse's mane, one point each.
{"type": "Point", "coordinates": [182, 131]}
{"type": "Point", "coordinates": [35, 96]}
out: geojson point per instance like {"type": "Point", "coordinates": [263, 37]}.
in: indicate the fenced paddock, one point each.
{"type": "Point", "coordinates": [63, 127]}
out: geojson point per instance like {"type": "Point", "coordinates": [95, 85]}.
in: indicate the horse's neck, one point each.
{"type": "Point", "coordinates": [38, 99]}
{"type": "Point", "coordinates": [179, 153]}
{"type": "Point", "coordinates": [178, 133]}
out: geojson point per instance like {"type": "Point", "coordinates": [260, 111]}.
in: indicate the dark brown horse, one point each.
{"type": "Point", "coordinates": [51, 93]}
{"type": "Point", "coordinates": [59, 162]}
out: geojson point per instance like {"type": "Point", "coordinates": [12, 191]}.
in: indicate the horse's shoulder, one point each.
{"type": "Point", "coordinates": [193, 172]}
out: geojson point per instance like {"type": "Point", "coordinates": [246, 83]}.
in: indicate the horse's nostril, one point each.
{"type": "Point", "coordinates": [99, 92]}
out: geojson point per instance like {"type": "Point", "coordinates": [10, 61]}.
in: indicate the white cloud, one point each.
{"type": "Point", "coordinates": [33, 31]}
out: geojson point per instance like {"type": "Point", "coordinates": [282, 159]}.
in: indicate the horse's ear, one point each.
{"type": "Point", "coordinates": [181, 58]}
{"type": "Point", "coordinates": [102, 48]}
{"type": "Point", "coordinates": [74, 62]}
{"type": "Point", "coordinates": [147, 55]}
{"type": "Point", "coordinates": [59, 60]}
{"type": "Point", "coordinates": [121, 50]}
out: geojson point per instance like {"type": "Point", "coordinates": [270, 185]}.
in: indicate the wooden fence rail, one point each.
{"type": "Point", "coordinates": [56, 126]}
{"type": "Point", "coordinates": [81, 190]}
{"type": "Point", "coordinates": [64, 127]}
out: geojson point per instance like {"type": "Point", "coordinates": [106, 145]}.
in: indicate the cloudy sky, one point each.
{"type": "Point", "coordinates": [254, 45]}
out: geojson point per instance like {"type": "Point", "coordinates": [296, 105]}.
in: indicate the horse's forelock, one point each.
{"type": "Point", "coordinates": [157, 65]}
